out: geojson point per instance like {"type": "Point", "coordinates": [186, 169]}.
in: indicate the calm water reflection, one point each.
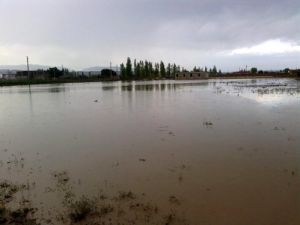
{"type": "Point", "coordinates": [227, 149]}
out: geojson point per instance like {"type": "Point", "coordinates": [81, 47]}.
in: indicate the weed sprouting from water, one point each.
{"type": "Point", "coordinates": [81, 209]}
{"type": "Point", "coordinates": [22, 215]}
{"type": "Point", "coordinates": [123, 195]}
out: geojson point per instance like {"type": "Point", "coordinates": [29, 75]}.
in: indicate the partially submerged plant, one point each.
{"type": "Point", "coordinates": [124, 195]}
{"type": "Point", "coordinates": [105, 209]}
{"type": "Point", "coordinates": [22, 215]}
{"type": "Point", "coordinates": [7, 191]}
{"type": "Point", "coordinates": [170, 218]}
{"type": "Point", "coordinates": [174, 200]}
{"type": "Point", "coordinates": [81, 209]}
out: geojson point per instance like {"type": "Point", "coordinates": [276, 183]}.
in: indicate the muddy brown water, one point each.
{"type": "Point", "coordinates": [214, 152]}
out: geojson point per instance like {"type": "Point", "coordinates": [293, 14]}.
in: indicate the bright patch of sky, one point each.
{"type": "Point", "coordinates": [269, 47]}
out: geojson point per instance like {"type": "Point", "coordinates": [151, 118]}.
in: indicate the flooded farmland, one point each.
{"type": "Point", "coordinates": [211, 152]}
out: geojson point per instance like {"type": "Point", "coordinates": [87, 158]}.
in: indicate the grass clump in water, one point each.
{"type": "Point", "coordinates": [81, 209]}
{"type": "Point", "coordinates": [22, 215]}
{"type": "Point", "coordinates": [124, 195]}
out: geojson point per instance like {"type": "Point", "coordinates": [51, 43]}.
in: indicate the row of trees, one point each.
{"type": "Point", "coordinates": [211, 71]}
{"type": "Point", "coordinates": [147, 70]}
{"type": "Point", "coordinates": [54, 72]}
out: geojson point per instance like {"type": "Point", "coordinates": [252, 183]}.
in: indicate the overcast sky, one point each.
{"type": "Point", "coordinates": [82, 33]}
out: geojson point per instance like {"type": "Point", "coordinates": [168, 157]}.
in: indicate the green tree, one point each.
{"type": "Point", "coordinates": [129, 74]}
{"type": "Point", "coordinates": [108, 73]}
{"type": "Point", "coordinates": [134, 67]}
{"type": "Point", "coordinates": [54, 72]}
{"type": "Point", "coordinates": [169, 70]}
{"type": "Point", "coordinates": [253, 70]}
{"type": "Point", "coordinates": [174, 70]}
{"type": "Point", "coordinates": [142, 65]}
{"type": "Point", "coordinates": [214, 70]}
{"type": "Point", "coordinates": [260, 72]}
{"type": "Point", "coordinates": [138, 71]}
{"type": "Point", "coordinates": [156, 69]}
{"type": "Point", "coordinates": [147, 70]}
{"type": "Point", "coordinates": [162, 69]}
{"type": "Point", "coordinates": [123, 72]}
{"type": "Point", "coordinates": [151, 71]}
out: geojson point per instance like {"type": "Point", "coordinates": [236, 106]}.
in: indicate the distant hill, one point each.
{"type": "Point", "coordinates": [99, 68]}
{"type": "Point", "coordinates": [94, 68]}
{"type": "Point", "coordinates": [23, 67]}
{"type": "Point", "coordinates": [5, 68]}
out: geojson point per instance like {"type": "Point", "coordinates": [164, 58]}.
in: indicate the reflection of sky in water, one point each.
{"type": "Point", "coordinates": [273, 99]}
{"type": "Point", "coordinates": [264, 91]}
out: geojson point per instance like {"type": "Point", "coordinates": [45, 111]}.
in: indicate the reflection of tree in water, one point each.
{"type": "Point", "coordinates": [109, 88]}
{"type": "Point", "coordinates": [41, 89]}
{"type": "Point", "coordinates": [127, 88]}
{"type": "Point", "coordinates": [56, 89]}
{"type": "Point", "coordinates": [153, 86]}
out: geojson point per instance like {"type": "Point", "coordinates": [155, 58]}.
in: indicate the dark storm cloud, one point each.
{"type": "Point", "coordinates": [83, 32]}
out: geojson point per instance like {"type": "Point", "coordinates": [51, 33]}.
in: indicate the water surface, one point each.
{"type": "Point", "coordinates": [228, 150]}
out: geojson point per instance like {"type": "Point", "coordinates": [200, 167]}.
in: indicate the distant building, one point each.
{"type": "Point", "coordinates": [101, 73]}
{"type": "Point", "coordinates": [294, 72]}
{"type": "Point", "coordinates": [8, 74]}
{"type": "Point", "coordinates": [191, 75]}
{"type": "Point", "coordinates": [97, 70]}
{"type": "Point", "coordinates": [35, 75]}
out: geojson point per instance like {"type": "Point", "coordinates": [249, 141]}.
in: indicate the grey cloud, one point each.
{"type": "Point", "coordinates": [97, 31]}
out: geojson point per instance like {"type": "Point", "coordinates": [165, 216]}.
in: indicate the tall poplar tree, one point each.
{"type": "Point", "coordinates": [162, 69]}
{"type": "Point", "coordinates": [129, 74]}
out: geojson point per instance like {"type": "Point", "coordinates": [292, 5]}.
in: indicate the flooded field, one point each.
{"type": "Point", "coordinates": [211, 152]}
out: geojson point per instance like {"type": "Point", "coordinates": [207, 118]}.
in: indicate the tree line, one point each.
{"type": "Point", "coordinates": [138, 70]}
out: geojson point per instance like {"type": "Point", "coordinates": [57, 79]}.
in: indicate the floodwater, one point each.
{"type": "Point", "coordinates": [211, 152]}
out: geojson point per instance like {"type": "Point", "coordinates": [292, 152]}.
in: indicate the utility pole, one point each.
{"type": "Point", "coordinates": [27, 59]}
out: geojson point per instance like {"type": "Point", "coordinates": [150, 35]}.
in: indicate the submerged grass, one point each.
{"type": "Point", "coordinates": [22, 215]}
{"type": "Point", "coordinates": [81, 209]}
